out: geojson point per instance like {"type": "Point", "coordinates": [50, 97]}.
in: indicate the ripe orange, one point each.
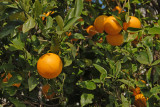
{"type": "Point", "coordinates": [115, 40]}
{"type": "Point", "coordinates": [46, 93]}
{"type": "Point", "coordinates": [136, 91]}
{"type": "Point", "coordinates": [91, 30]}
{"type": "Point", "coordinates": [140, 101]}
{"type": "Point", "coordinates": [49, 65]}
{"type": "Point", "coordinates": [119, 9]}
{"type": "Point", "coordinates": [134, 22]}
{"type": "Point", "coordinates": [99, 23]}
{"type": "Point", "coordinates": [9, 75]}
{"type": "Point", "coordinates": [111, 26]}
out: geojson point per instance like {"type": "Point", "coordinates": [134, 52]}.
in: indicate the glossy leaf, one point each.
{"type": "Point", "coordinates": [150, 55]}
{"type": "Point", "coordinates": [154, 30]}
{"type": "Point", "coordinates": [29, 24]}
{"type": "Point", "coordinates": [78, 8]}
{"type": "Point", "coordinates": [148, 74]}
{"type": "Point", "coordinates": [127, 82]}
{"type": "Point", "coordinates": [143, 58]}
{"type": "Point", "coordinates": [59, 20]}
{"type": "Point", "coordinates": [78, 36]}
{"type": "Point", "coordinates": [70, 23]}
{"type": "Point", "coordinates": [156, 62]}
{"type": "Point", "coordinates": [86, 99]}
{"type": "Point", "coordinates": [101, 70]}
{"type": "Point", "coordinates": [88, 85]}
{"type": "Point", "coordinates": [32, 83]}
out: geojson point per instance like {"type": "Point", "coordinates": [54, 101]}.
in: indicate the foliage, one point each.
{"type": "Point", "coordinates": [93, 74]}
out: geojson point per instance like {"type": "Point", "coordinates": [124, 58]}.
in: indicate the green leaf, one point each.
{"type": "Point", "coordinates": [150, 55]}
{"type": "Point", "coordinates": [156, 62]}
{"type": "Point", "coordinates": [11, 90]}
{"type": "Point", "coordinates": [148, 41]}
{"type": "Point", "coordinates": [59, 20]}
{"type": "Point", "coordinates": [125, 102]}
{"type": "Point", "coordinates": [148, 74]}
{"type": "Point", "coordinates": [29, 24]}
{"type": "Point", "coordinates": [49, 22]}
{"type": "Point", "coordinates": [143, 58]}
{"type": "Point", "coordinates": [70, 23]}
{"type": "Point", "coordinates": [127, 82]}
{"type": "Point", "coordinates": [32, 82]}
{"type": "Point", "coordinates": [78, 8]}
{"type": "Point", "coordinates": [78, 36]}
{"type": "Point", "coordinates": [118, 67]}
{"type": "Point", "coordinates": [101, 70]}
{"type": "Point", "coordinates": [86, 99]}
{"type": "Point", "coordinates": [16, 102]}
{"type": "Point", "coordinates": [37, 8]}
{"type": "Point", "coordinates": [155, 90]}
{"type": "Point", "coordinates": [88, 85]}
{"type": "Point", "coordinates": [17, 44]}
{"type": "Point", "coordinates": [154, 30]}
{"type": "Point", "coordinates": [73, 48]}
{"type": "Point", "coordinates": [69, 15]}
{"type": "Point", "coordinates": [67, 61]}
{"type": "Point", "coordinates": [130, 29]}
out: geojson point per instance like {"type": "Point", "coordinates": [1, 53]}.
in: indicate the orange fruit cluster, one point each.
{"type": "Point", "coordinates": [9, 75]}
{"type": "Point", "coordinates": [49, 65]}
{"type": "Point", "coordinates": [110, 25]}
{"type": "Point", "coordinates": [46, 92]}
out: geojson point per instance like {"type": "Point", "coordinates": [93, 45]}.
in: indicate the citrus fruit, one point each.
{"type": "Point", "coordinates": [99, 23]}
{"type": "Point", "coordinates": [49, 65]}
{"type": "Point", "coordinates": [115, 40]}
{"type": "Point", "coordinates": [134, 22]}
{"type": "Point", "coordinates": [91, 30]}
{"type": "Point", "coordinates": [119, 9]}
{"type": "Point", "coordinates": [9, 75]}
{"type": "Point", "coordinates": [46, 92]}
{"type": "Point", "coordinates": [111, 26]}
{"type": "Point", "coordinates": [140, 101]}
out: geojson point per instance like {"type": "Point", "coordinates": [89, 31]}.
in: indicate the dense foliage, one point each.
{"type": "Point", "coordinates": [94, 73]}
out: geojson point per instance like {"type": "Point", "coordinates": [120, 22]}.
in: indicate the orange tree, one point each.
{"type": "Point", "coordinates": [98, 69]}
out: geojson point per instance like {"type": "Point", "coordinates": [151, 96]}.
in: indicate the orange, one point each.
{"type": "Point", "coordinates": [9, 75]}
{"type": "Point", "coordinates": [136, 91]}
{"type": "Point", "coordinates": [119, 9]}
{"type": "Point", "coordinates": [99, 23]}
{"type": "Point", "coordinates": [111, 26]}
{"type": "Point", "coordinates": [140, 101]}
{"type": "Point", "coordinates": [91, 30]}
{"type": "Point", "coordinates": [134, 22]}
{"type": "Point", "coordinates": [46, 93]}
{"type": "Point", "coordinates": [115, 40]}
{"type": "Point", "coordinates": [49, 65]}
